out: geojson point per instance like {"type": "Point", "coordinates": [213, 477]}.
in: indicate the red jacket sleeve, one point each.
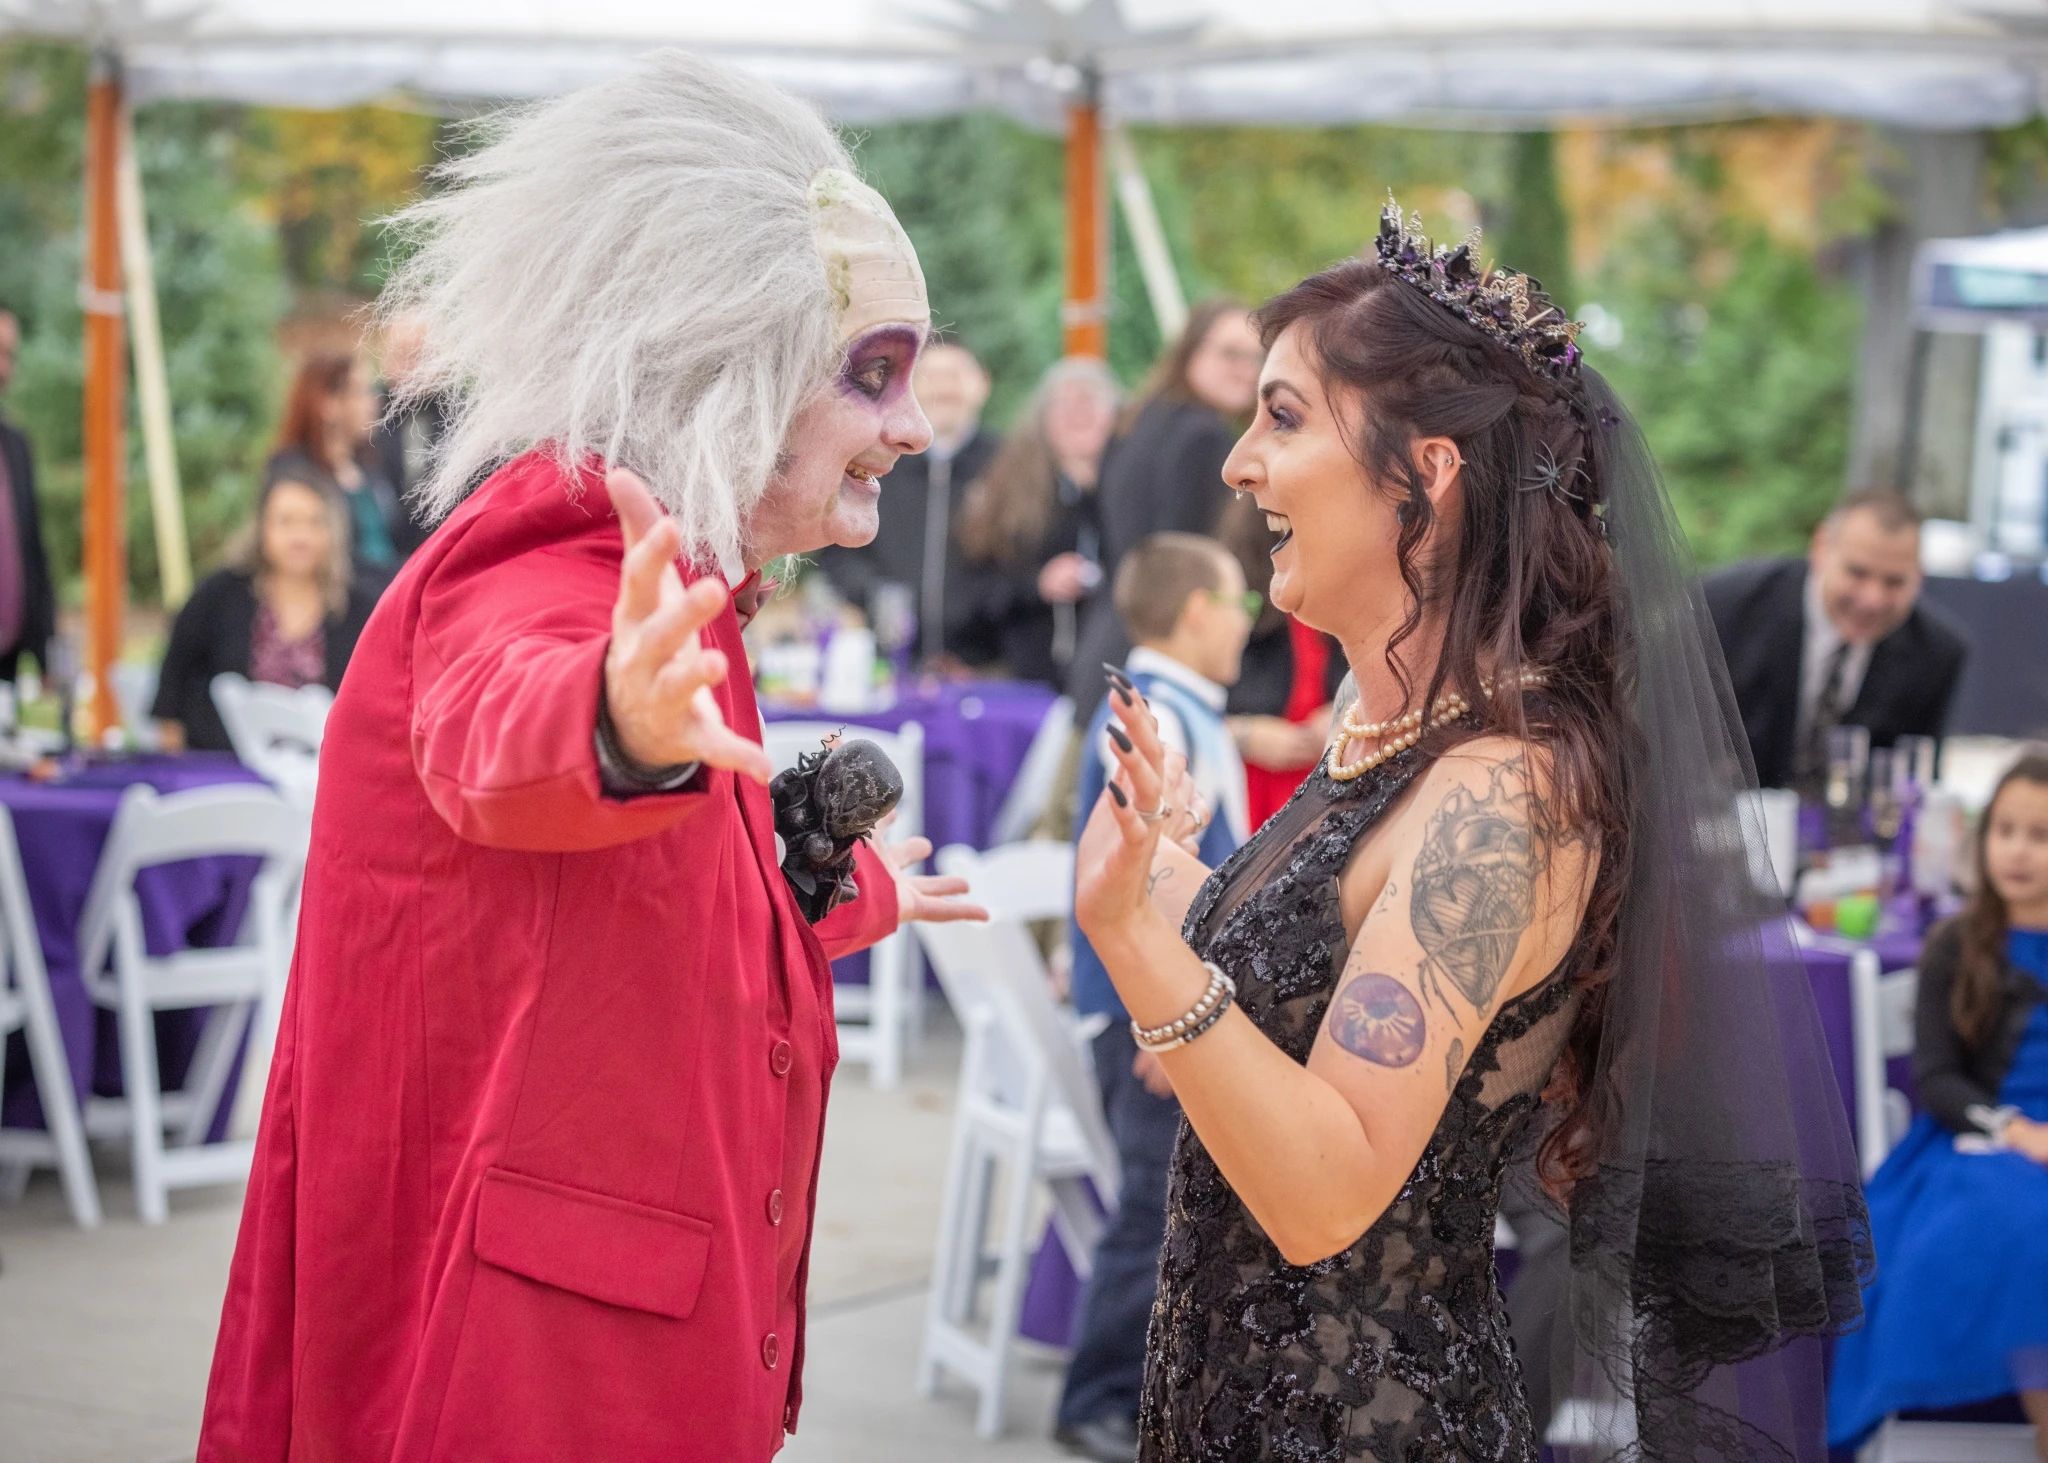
{"type": "Point", "coordinates": [508, 666]}
{"type": "Point", "coordinates": [869, 916]}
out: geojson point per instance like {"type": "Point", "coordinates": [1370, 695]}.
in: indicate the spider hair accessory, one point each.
{"type": "Point", "coordinates": [1504, 303]}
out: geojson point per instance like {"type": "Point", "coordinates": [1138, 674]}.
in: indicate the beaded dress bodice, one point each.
{"type": "Point", "coordinates": [1396, 1348]}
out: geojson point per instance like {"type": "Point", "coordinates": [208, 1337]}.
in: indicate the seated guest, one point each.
{"type": "Point", "coordinates": [915, 548]}
{"type": "Point", "coordinates": [1958, 1313]}
{"type": "Point", "coordinates": [325, 441]}
{"type": "Point", "coordinates": [1028, 536]}
{"type": "Point", "coordinates": [1183, 603]}
{"type": "Point", "coordinates": [283, 610]}
{"type": "Point", "coordinates": [1838, 638]}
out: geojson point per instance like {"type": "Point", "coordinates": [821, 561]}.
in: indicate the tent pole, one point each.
{"type": "Point", "coordinates": [105, 561]}
{"type": "Point", "coordinates": [152, 382]}
{"type": "Point", "coordinates": [1141, 216]}
{"type": "Point", "coordinates": [1083, 314]}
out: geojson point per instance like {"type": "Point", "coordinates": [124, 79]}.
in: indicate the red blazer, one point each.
{"type": "Point", "coordinates": [537, 1160]}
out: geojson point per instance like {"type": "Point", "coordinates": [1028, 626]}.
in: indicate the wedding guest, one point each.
{"type": "Point", "coordinates": [1839, 638]}
{"type": "Point", "coordinates": [1164, 469]}
{"type": "Point", "coordinates": [28, 600]}
{"type": "Point", "coordinates": [1958, 1313]}
{"type": "Point", "coordinates": [915, 549]}
{"type": "Point", "coordinates": [284, 609]}
{"type": "Point", "coordinates": [325, 441]}
{"type": "Point", "coordinates": [404, 437]}
{"type": "Point", "coordinates": [1028, 531]}
{"type": "Point", "coordinates": [1182, 601]}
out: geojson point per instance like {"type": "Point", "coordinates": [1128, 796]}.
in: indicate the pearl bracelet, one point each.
{"type": "Point", "coordinates": [1216, 999]}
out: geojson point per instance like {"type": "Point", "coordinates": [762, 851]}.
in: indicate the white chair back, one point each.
{"type": "Point", "coordinates": [274, 731]}
{"type": "Point", "coordinates": [152, 828]}
{"type": "Point", "coordinates": [1031, 790]}
{"type": "Point", "coordinates": [243, 984]}
{"type": "Point", "coordinates": [1030, 880]}
{"type": "Point", "coordinates": [1881, 1011]}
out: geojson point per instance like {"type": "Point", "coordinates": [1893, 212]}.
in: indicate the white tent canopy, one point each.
{"type": "Point", "coordinates": [1917, 63]}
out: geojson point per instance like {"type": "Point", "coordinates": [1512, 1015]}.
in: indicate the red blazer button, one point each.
{"type": "Point", "coordinates": [775, 1206]}
{"type": "Point", "coordinates": [779, 1059]}
{"type": "Point", "coordinates": [770, 1350]}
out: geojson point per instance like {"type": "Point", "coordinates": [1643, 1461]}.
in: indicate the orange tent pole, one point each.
{"type": "Point", "coordinates": [106, 571]}
{"type": "Point", "coordinates": [1084, 313]}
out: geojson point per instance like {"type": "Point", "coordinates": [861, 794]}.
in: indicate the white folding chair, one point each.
{"type": "Point", "coordinates": [875, 1020]}
{"type": "Point", "coordinates": [275, 732]}
{"type": "Point", "coordinates": [1028, 1112]}
{"type": "Point", "coordinates": [25, 1006]}
{"type": "Point", "coordinates": [1881, 1023]}
{"type": "Point", "coordinates": [1031, 789]}
{"type": "Point", "coordinates": [244, 981]}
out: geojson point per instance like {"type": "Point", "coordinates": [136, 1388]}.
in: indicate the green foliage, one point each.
{"type": "Point", "coordinates": [219, 294]}
{"type": "Point", "coordinates": [1738, 359]}
{"type": "Point", "coordinates": [1529, 230]}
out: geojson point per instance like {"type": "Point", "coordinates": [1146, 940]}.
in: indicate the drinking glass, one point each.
{"type": "Point", "coordinates": [1913, 764]}
{"type": "Point", "coordinates": [1848, 766]}
{"type": "Point", "coordinates": [1887, 800]}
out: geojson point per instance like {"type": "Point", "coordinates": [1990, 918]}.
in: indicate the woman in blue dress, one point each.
{"type": "Point", "coordinates": [1959, 1212]}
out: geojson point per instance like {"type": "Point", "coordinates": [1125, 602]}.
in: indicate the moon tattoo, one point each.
{"type": "Point", "coordinates": [1379, 1019]}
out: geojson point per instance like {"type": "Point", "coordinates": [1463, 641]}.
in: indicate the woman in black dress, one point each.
{"type": "Point", "coordinates": [1463, 932]}
{"type": "Point", "coordinates": [284, 609]}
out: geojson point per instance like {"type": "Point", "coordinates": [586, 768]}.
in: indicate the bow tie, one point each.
{"type": "Point", "coordinates": [749, 595]}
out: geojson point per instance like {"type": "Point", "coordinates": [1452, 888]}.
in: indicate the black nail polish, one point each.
{"type": "Point", "coordinates": [1116, 734]}
{"type": "Point", "coordinates": [1116, 674]}
{"type": "Point", "coordinates": [1118, 793]}
{"type": "Point", "coordinates": [1122, 695]}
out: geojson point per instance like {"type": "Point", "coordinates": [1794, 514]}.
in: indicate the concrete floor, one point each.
{"type": "Point", "coordinates": [106, 1337]}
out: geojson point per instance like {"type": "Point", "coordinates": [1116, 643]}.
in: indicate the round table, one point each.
{"type": "Point", "coordinates": [62, 827]}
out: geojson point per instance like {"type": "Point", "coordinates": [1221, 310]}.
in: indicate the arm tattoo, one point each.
{"type": "Point", "coordinates": [1454, 1064]}
{"type": "Point", "coordinates": [1474, 885]}
{"type": "Point", "coordinates": [1377, 1018]}
{"type": "Point", "coordinates": [1159, 876]}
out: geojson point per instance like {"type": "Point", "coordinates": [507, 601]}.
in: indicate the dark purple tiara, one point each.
{"type": "Point", "coordinates": [1506, 304]}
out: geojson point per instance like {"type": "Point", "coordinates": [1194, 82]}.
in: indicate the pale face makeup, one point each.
{"type": "Point", "coordinates": [826, 489]}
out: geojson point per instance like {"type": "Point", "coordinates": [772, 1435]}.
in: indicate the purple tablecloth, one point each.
{"type": "Point", "coordinates": [1052, 1294]}
{"type": "Point", "coordinates": [975, 736]}
{"type": "Point", "coordinates": [62, 828]}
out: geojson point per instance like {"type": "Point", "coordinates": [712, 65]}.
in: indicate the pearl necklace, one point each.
{"type": "Point", "coordinates": [1400, 733]}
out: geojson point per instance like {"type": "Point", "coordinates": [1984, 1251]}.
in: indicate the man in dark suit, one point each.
{"type": "Point", "coordinates": [915, 548]}
{"type": "Point", "coordinates": [28, 600]}
{"type": "Point", "coordinates": [1839, 638]}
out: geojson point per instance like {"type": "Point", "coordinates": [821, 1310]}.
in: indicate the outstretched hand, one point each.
{"type": "Point", "coordinates": [933, 898]}
{"type": "Point", "coordinates": [658, 674]}
{"type": "Point", "coordinates": [1113, 860]}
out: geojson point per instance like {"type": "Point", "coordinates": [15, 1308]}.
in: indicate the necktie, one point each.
{"type": "Point", "coordinates": [1826, 716]}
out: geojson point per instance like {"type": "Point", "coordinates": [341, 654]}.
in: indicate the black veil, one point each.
{"type": "Point", "coordinates": [1721, 1232]}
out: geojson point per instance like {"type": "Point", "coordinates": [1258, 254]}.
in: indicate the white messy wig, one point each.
{"type": "Point", "coordinates": [629, 270]}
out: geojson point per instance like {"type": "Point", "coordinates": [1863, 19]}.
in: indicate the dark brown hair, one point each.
{"type": "Point", "coordinates": [1156, 579]}
{"type": "Point", "coordinates": [1168, 378]}
{"type": "Point", "coordinates": [320, 379]}
{"type": "Point", "coordinates": [1973, 998]}
{"type": "Point", "coordinates": [1524, 579]}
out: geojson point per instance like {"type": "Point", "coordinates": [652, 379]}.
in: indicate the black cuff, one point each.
{"type": "Point", "coordinates": [623, 777]}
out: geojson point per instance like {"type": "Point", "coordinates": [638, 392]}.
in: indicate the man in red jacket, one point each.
{"type": "Point", "coordinates": [539, 1150]}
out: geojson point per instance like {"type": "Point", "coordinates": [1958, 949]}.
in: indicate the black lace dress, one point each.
{"type": "Point", "coordinates": [1397, 1348]}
